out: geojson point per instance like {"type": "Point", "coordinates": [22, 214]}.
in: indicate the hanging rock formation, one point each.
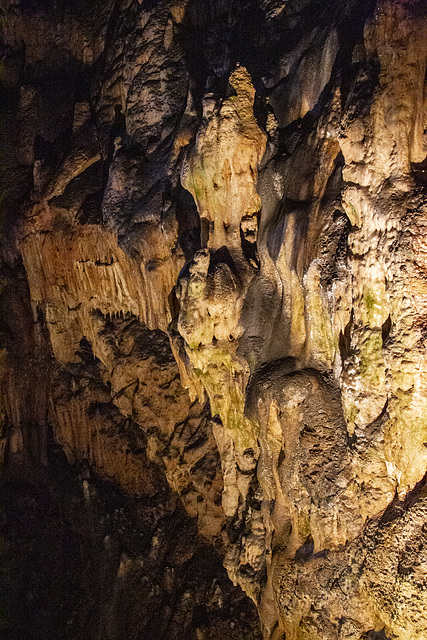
{"type": "Point", "coordinates": [213, 318]}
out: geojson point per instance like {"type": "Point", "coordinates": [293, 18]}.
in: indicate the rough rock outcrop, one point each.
{"type": "Point", "coordinates": [213, 295]}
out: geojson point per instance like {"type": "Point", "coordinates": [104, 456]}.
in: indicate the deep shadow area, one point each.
{"type": "Point", "coordinates": [81, 560]}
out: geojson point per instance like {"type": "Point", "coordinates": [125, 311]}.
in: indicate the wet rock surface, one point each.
{"type": "Point", "coordinates": [213, 319]}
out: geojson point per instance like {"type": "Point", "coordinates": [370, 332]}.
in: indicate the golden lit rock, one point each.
{"type": "Point", "coordinates": [213, 319]}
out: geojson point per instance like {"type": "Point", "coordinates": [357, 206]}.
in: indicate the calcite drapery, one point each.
{"type": "Point", "coordinates": [246, 181]}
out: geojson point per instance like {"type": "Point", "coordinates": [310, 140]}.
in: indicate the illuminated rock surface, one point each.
{"type": "Point", "coordinates": [214, 310]}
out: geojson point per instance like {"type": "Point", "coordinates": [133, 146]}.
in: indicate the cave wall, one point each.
{"type": "Point", "coordinates": [213, 299]}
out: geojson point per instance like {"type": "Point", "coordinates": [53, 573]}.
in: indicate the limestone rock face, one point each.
{"type": "Point", "coordinates": [213, 318]}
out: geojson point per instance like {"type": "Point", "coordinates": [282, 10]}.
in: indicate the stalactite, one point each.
{"type": "Point", "coordinates": [213, 280]}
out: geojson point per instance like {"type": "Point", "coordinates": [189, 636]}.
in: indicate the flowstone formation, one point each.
{"type": "Point", "coordinates": [213, 331]}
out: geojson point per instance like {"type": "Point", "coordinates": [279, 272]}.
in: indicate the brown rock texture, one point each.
{"type": "Point", "coordinates": [213, 333]}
